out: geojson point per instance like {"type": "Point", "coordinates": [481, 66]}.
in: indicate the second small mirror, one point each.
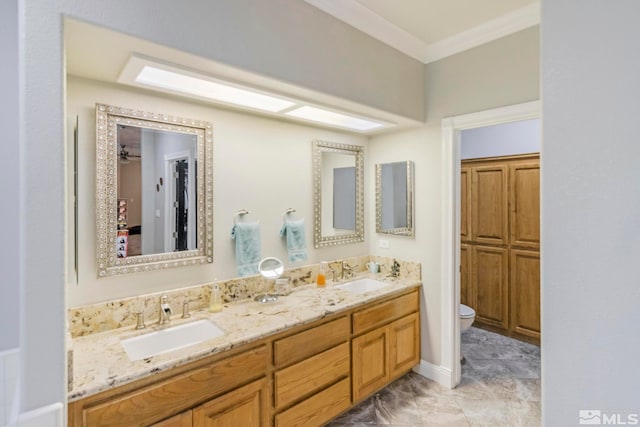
{"type": "Point", "coordinates": [394, 198]}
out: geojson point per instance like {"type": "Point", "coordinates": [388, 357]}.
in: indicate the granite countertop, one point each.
{"type": "Point", "coordinates": [100, 362]}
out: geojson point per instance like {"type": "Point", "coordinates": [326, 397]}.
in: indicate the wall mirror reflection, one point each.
{"type": "Point", "coordinates": [394, 198]}
{"type": "Point", "coordinates": [338, 193]}
{"type": "Point", "coordinates": [154, 191]}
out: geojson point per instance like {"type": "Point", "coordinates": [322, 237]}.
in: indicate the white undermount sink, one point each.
{"type": "Point", "coordinates": [171, 338]}
{"type": "Point", "coordinates": [361, 286]}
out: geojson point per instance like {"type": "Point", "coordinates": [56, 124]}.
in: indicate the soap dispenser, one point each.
{"type": "Point", "coordinates": [322, 278]}
{"type": "Point", "coordinates": [215, 303]}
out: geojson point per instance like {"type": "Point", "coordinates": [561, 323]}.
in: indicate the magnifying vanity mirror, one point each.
{"type": "Point", "coordinates": [338, 193]}
{"type": "Point", "coordinates": [269, 268]}
{"type": "Point", "coordinates": [154, 191]}
{"type": "Point", "coordinates": [394, 198]}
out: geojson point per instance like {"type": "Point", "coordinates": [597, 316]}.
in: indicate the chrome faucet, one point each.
{"type": "Point", "coordinates": [165, 310]}
{"type": "Point", "coordinates": [395, 269]}
{"type": "Point", "coordinates": [347, 270]}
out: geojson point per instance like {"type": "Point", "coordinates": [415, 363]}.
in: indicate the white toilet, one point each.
{"type": "Point", "coordinates": [467, 316]}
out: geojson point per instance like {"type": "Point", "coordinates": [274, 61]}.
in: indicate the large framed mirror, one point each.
{"type": "Point", "coordinates": [394, 198]}
{"type": "Point", "coordinates": [338, 190]}
{"type": "Point", "coordinates": [154, 191]}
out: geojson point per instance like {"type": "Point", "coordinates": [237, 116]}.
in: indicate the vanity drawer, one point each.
{"type": "Point", "coordinates": [310, 342]}
{"type": "Point", "coordinates": [161, 400]}
{"type": "Point", "coordinates": [385, 312]}
{"type": "Point", "coordinates": [319, 408]}
{"type": "Point", "coordinates": [311, 375]}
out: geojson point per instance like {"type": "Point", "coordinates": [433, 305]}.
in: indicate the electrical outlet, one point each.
{"type": "Point", "coordinates": [383, 243]}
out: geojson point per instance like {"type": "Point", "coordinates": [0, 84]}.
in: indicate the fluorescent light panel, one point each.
{"type": "Point", "coordinates": [336, 119]}
{"type": "Point", "coordinates": [152, 76]}
{"type": "Point", "coordinates": [144, 72]}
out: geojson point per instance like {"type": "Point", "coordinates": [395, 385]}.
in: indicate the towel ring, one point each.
{"type": "Point", "coordinates": [287, 212]}
{"type": "Point", "coordinates": [241, 212]}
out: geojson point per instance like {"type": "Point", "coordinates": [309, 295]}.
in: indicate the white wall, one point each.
{"type": "Point", "coordinates": [506, 139]}
{"type": "Point", "coordinates": [590, 205]}
{"type": "Point", "coordinates": [9, 176]}
{"type": "Point", "coordinates": [260, 164]}
{"type": "Point", "coordinates": [500, 73]}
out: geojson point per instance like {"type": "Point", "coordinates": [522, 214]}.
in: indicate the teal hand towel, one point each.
{"type": "Point", "coordinates": [296, 241]}
{"type": "Point", "coordinates": [247, 237]}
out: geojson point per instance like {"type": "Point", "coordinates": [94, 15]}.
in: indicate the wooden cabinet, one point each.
{"type": "Point", "coordinates": [500, 217]}
{"type": "Point", "coordinates": [184, 419]}
{"type": "Point", "coordinates": [145, 404]}
{"type": "Point", "coordinates": [489, 218]}
{"type": "Point", "coordinates": [404, 345]}
{"type": "Point", "coordinates": [525, 293]}
{"type": "Point", "coordinates": [465, 274]}
{"type": "Point", "coordinates": [304, 376]}
{"type": "Point", "coordinates": [384, 353]}
{"type": "Point", "coordinates": [245, 406]}
{"type": "Point", "coordinates": [524, 201]}
{"type": "Point", "coordinates": [490, 286]}
{"type": "Point", "coordinates": [465, 204]}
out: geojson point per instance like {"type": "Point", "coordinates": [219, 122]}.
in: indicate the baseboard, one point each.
{"type": "Point", "coordinates": [439, 374]}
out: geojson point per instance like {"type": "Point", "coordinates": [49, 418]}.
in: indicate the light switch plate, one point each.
{"type": "Point", "coordinates": [383, 243]}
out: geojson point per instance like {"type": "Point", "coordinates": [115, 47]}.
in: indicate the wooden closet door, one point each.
{"type": "Point", "coordinates": [465, 203]}
{"type": "Point", "coordinates": [524, 195]}
{"type": "Point", "coordinates": [525, 293]}
{"type": "Point", "coordinates": [490, 204]}
{"type": "Point", "coordinates": [490, 278]}
{"type": "Point", "coordinates": [465, 275]}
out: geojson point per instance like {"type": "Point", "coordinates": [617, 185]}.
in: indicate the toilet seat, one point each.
{"type": "Point", "coordinates": [466, 312]}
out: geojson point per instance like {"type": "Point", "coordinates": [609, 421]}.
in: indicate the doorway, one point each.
{"type": "Point", "coordinates": [450, 266]}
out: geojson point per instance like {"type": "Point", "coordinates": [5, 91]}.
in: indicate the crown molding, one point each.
{"type": "Point", "coordinates": [502, 26]}
{"type": "Point", "coordinates": [367, 21]}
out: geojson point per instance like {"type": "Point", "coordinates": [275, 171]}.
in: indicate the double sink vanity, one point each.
{"type": "Point", "coordinates": [297, 360]}
{"type": "Point", "coordinates": [301, 360]}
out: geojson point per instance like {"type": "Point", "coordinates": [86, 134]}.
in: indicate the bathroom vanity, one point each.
{"type": "Point", "coordinates": [317, 353]}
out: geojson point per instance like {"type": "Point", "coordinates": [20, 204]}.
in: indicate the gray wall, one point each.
{"type": "Point", "coordinates": [9, 176]}
{"type": "Point", "coordinates": [505, 139]}
{"type": "Point", "coordinates": [503, 72]}
{"type": "Point", "coordinates": [590, 208]}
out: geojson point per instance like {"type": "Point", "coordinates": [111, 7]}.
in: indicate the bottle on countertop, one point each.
{"type": "Point", "coordinates": [322, 278]}
{"type": "Point", "coordinates": [215, 303]}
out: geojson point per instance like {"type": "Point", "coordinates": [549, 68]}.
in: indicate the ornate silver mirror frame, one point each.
{"type": "Point", "coordinates": [394, 198]}
{"type": "Point", "coordinates": [324, 200]}
{"type": "Point", "coordinates": [108, 118]}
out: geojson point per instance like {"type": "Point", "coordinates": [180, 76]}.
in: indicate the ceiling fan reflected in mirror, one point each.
{"type": "Point", "coordinates": [125, 157]}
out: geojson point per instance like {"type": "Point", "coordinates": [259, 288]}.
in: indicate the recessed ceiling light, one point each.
{"type": "Point", "coordinates": [177, 82]}
{"type": "Point", "coordinates": [336, 119]}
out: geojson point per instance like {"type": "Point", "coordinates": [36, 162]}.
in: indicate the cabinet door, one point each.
{"type": "Point", "coordinates": [524, 195]}
{"type": "Point", "coordinates": [490, 286]}
{"type": "Point", "coordinates": [490, 205]}
{"type": "Point", "coordinates": [246, 406]}
{"type": "Point", "coordinates": [404, 344]}
{"type": "Point", "coordinates": [465, 275]}
{"type": "Point", "coordinates": [181, 420]}
{"type": "Point", "coordinates": [370, 366]}
{"type": "Point", "coordinates": [465, 203]}
{"type": "Point", "coordinates": [525, 293]}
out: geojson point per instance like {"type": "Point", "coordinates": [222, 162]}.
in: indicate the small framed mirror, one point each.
{"type": "Point", "coordinates": [338, 193]}
{"type": "Point", "coordinates": [154, 191]}
{"type": "Point", "coordinates": [394, 198]}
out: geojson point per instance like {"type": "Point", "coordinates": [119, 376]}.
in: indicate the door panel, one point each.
{"type": "Point", "coordinates": [489, 201]}
{"type": "Point", "coordinates": [490, 285]}
{"type": "Point", "coordinates": [525, 292]}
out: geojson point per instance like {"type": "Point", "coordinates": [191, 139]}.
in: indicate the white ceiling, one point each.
{"type": "Point", "coordinates": [429, 30]}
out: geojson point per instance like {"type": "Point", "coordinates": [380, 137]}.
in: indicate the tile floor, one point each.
{"type": "Point", "coordinates": [500, 387]}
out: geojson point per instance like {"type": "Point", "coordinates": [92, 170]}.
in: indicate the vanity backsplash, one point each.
{"type": "Point", "coordinates": [116, 314]}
